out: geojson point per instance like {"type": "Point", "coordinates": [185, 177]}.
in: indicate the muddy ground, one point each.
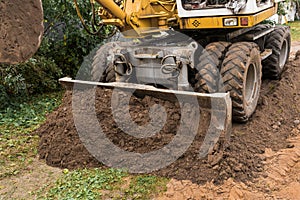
{"type": "Point", "coordinates": [260, 162]}
{"type": "Point", "coordinates": [279, 160]}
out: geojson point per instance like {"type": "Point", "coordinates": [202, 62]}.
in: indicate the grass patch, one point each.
{"type": "Point", "coordinates": [83, 184]}
{"type": "Point", "coordinates": [18, 148]}
{"type": "Point", "coordinates": [295, 30]}
{"type": "Point", "coordinates": [18, 145]}
{"type": "Point", "coordinates": [102, 184]}
{"type": "Point", "coordinates": [144, 187]}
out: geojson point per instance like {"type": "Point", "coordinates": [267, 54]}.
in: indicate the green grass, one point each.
{"type": "Point", "coordinates": [18, 144]}
{"type": "Point", "coordinates": [295, 30]}
{"type": "Point", "coordinates": [143, 187]}
{"type": "Point", "coordinates": [18, 148]}
{"type": "Point", "coordinates": [102, 184]}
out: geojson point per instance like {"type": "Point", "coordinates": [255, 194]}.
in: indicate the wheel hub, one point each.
{"type": "Point", "coordinates": [251, 84]}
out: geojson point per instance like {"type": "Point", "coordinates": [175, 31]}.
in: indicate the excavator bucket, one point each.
{"type": "Point", "coordinates": [203, 117]}
{"type": "Point", "coordinates": [21, 29]}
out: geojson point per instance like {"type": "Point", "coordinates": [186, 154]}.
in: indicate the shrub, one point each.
{"type": "Point", "coordinates": [64, 46]}
{"type": "Point", "coordinates": [37, 75]}
{"type": "Point", "coordinates": [65, 40]}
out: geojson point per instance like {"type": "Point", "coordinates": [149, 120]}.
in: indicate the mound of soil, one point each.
{"type": "Point", "coordinates": [243, 160]}
{"type": "Point", "coordinates": [21, 29]}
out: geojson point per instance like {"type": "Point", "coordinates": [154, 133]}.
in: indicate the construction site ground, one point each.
{"type": "Point", "coordinates": [261, 162]}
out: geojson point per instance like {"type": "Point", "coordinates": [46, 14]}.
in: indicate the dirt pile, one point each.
{"type": "Point", "coordinates": [281, 180]}
{"type": "Point", "coordinates": [273, 122]}
{"type": "Point", "coordinates": [21, 29]}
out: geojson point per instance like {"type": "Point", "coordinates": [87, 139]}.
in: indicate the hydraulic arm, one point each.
{"type": "Point", "coordinates": [142, 16]}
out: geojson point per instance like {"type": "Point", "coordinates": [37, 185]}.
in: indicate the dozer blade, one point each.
{"type": "Point", "coordinates": [215, 111]}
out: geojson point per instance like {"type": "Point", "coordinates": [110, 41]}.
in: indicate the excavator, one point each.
{"type": "Point", "coordinates": [212, 50]}
{"type": "Point", "coordinates": [242, 49]}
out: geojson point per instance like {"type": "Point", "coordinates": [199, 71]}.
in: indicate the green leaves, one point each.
{"type": "Point", "coordinates": [37, 75]}
{"type": "Point", "coordinates": [63, 48]}
{"type": "Point", "coordinates": [18, 145]}
{"type": "Point", "coordinates": [103, 184]}
{"type": "Point", "coordinates": [281, 10]}
{"type": "Point", "coordinates": [65, 39]}
{"type": "Point", "coordinates": [27, 114]}
{"type": "Point", "coordinates": [85, 184]}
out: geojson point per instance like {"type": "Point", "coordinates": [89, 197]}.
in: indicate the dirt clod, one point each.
{"type": "Point", "coordinates": [21, 29]}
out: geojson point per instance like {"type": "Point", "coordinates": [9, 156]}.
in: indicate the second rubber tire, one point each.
{"type": "Point", "coordinates": [279, 41]}
{"type": "Point", "coordinates": [210, 61]}
{"type": "Point", "coordinates": [241, 73]}
{"type": "Point", "coordinates": [102, 70]}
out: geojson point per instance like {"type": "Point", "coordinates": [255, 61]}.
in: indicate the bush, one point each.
{"type": "Point", "coordinates": [64, 46]}
{"type": "Point", "coordinates": [40, 74]}
{"type": "Point", "coordinates": [37, 75]}
{"type": "Point", "coordinates": [65, 40]}
{"type": "Point", "coordinates": [11, 84]}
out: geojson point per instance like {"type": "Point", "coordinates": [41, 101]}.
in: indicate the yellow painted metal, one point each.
{"type": "Point", "coordinates": [115, 22]}
{"type": "Point", "coordinates": [113, 8]}
{"type": "Point", "coordinates": [139, 15]}
{"type": "Point", "coordinates": [217, 22]}
{"type": "Point", "coordinates": [143, 16]}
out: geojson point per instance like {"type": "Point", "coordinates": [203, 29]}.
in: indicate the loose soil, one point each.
{"type": "Point", "coordinates": [279, 161]}
{"type": "Point", "coordinates": [21, 29]}
{"type": "Point", "coordinates": [261, 162]}
{"type": "Point", "coordinates": [244, 160]}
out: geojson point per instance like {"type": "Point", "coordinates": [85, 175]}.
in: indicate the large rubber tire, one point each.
{"type": "Point", "coordinates": [210, 61]}
{"type": "Point", "coordinates": [261, 41]}
{"type": "Point", "coordinates": [241, 73]}
{"type": "Point", "coordinates": [279, 41]}
{"type": "Point", "coordinates": [261, 27]}
{"type": "Point", "coordinates": [102, 71]}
